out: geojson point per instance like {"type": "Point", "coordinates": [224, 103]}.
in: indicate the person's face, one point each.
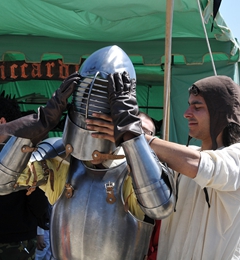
{"type": "Point", "coordinates": [198, 118]}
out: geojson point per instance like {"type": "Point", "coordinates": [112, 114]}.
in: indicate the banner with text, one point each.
{"type": "Point", "coordinates": [47, 70]}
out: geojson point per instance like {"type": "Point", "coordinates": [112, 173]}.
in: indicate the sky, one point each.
{"type": "Point", "coordinates": [230, 11]}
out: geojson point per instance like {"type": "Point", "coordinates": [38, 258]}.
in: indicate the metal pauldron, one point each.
{"type": "Point", "coordinates": [152, 181]}
{"type": "Point", "coordinates": [49, 148]}
{"type": "Point", "coordinates": [13, 160]}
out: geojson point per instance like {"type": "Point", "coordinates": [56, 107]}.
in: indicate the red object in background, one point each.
{"type": "Point", "coordinates": [152, 252]}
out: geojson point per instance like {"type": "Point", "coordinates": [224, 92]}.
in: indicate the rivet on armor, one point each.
{"type": "Point", "coordinates": [110, 194]}
{"type": "Point", "coordinates": [69, 190]}
{"type": "Point", "coordinates": [28, 149]}
{"type": "Point", "coordinates": [15, 186]}
{"type": "Point", "coordinates": [68, 149]}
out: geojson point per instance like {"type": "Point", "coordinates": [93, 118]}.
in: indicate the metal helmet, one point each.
{"type": "Point", "coordinates": [91, 96]}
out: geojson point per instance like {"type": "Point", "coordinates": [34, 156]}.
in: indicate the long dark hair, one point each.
{"type": "Point", "coordinates": [9, 108]}
{"type": "Point", "coordinates": [231, 134]}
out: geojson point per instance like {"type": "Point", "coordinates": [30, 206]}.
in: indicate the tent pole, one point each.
{"type": "Point", "coordinates": [167, 68]}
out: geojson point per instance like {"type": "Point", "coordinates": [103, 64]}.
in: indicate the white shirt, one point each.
{"type": "Point", "coordinates": [195, 231]}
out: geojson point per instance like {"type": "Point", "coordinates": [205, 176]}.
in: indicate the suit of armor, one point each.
{"type": "Point", "coordinates": [95, 215]}
{"type": "Point", "coordinates": [92, 203]}
{"type": "Point", "coordinates": [91, 219]}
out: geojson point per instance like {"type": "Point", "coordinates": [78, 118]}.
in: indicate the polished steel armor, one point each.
{"type": "Point", "coordinates": [91, 96]}
{"type": "Point", "coordinates": [152, 181]}
{"type": "Point", "coordinates": [89, 220]}
{"type": "Point", "coordinates": [88, 226]}
{"type": "Point", "coordinates": [84, 145]}
{"type": "Point", "coordinates": [13, 160]}
{"type": "Point", "coordinates": [49, 148]}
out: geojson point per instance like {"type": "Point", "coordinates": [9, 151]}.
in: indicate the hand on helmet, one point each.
{"type": "Point", "coordinates": [104, 127]}
{"type": "Point", "coordinates": [121, 86]}
{"type": "Point", "coordinates": [124, 107]}
{"type": "Point", "coordinates": [68, 85]}
{"type": "Point", "coordinates": [36, 126]}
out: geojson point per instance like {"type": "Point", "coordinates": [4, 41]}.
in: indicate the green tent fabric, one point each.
{"type": "Point", "coordinates": [76, 28]}
{"type": "Point", "coordinates": [40, 30]}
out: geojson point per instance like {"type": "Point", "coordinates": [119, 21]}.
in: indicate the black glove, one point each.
{"type": "Point", "coordinates": [123, 104]}
{"type": "Point", "coordinates": [36, 126]}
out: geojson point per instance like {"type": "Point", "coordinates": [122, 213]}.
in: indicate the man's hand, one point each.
{"type": "Point", "coordinates": [104, 128]}
{"type": "Point", "coordinates": [40, 242]}
{"type": "Point", "coordinates": [36, 126]}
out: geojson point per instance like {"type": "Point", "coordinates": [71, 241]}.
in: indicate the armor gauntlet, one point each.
{"type": "Point", "coordinates": [13, 160]}
{"type": "Point", "coordinates": [152, 182]}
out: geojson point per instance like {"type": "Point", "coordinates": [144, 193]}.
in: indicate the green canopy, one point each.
{"type": "Point", "coordinates": [41, 30]}
{"type": "Point", "coordinates": [76, 28]}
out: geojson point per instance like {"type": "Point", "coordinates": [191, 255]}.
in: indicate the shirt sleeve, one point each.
{"type": "Point", "coordinates": [60, 176]}
{"type": "Point", "coordinates": [220, 169]}
{"type": "Point", "coordinates": [40, 231]}
{"type": "Point", "coordinates": [131, 199]}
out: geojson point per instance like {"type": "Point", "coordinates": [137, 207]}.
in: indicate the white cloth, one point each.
{"type": "Point", "coordinates": [195, 231]}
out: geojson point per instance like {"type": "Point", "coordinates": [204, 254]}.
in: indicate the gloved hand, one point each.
{"type": "Point", "coordinates": [123, 104]}
{"type": "Point", "coordinates": [36, 126]}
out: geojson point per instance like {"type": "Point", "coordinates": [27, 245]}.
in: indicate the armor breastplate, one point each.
{"type": "Point", "coordinates": [87, 227]}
